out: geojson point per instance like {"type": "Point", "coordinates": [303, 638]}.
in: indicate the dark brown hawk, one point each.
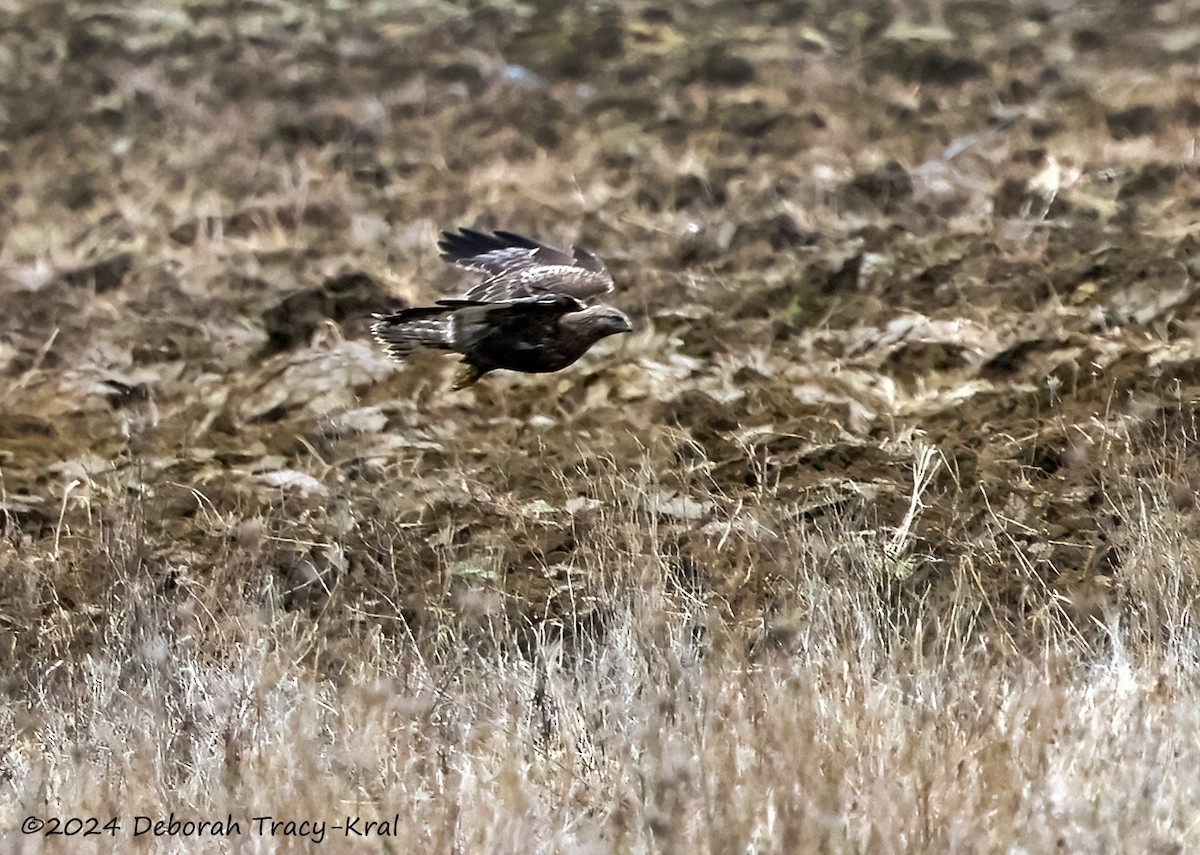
{"type": "Point", "coordinates": [533, 312]}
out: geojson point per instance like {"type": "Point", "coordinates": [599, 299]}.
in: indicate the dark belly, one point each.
{"type": "Point", "coordinates": [528, 352]}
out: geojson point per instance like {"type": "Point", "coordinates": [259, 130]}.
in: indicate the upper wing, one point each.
{"type": "Point", "coordinates": [558, 304]}
{"type": "Point", "coordinates": [519, 267]}
{"type": "Point", "coordinates": [498, 253]}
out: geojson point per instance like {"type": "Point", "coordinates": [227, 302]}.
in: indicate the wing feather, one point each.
{"type": "Point", "coordinates": [561, 303]}
{"type": "Point", "coordinates": [519, 267]}
{"type": "Point", "coordinates": [497, 253]}
{"type": "Point", "coordinates": [477, 320]}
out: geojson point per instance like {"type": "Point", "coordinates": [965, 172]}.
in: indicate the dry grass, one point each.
{"type": "Point", "coordinates": [879, 535]}
{"type": "Point", "coordinates": [858, 716]}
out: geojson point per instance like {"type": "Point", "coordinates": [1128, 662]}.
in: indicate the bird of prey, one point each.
{"type": "Point", "coordinates": [535, 310]}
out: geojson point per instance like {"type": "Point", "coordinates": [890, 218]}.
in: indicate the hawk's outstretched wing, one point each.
{"type": "Point", "coordinates": [476, 320]}
{"type": "Point", "coordinates": [530, 314]}
{"type": "Point", "coordinates": [519, 267]}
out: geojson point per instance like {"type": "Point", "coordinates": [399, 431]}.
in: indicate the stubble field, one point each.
{"type": "Point", "coordinates": [878, 535]}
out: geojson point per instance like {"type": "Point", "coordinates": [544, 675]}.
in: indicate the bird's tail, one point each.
{"type": "Point", "coordinates": [410, 330]}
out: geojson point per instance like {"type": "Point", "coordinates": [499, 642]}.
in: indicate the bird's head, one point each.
{"type": "Point", "coordinates": [603, 321]}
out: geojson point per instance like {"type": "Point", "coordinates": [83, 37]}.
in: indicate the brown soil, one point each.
{"type": "Point", "coordinates": [846, 231]}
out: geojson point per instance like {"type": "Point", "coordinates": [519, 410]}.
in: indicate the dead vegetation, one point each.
{"type": "Point", "coordinates": [879, 534]}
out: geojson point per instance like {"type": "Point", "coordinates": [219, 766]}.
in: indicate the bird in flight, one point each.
{"type": "Point", "coordinates": [534, 311]}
